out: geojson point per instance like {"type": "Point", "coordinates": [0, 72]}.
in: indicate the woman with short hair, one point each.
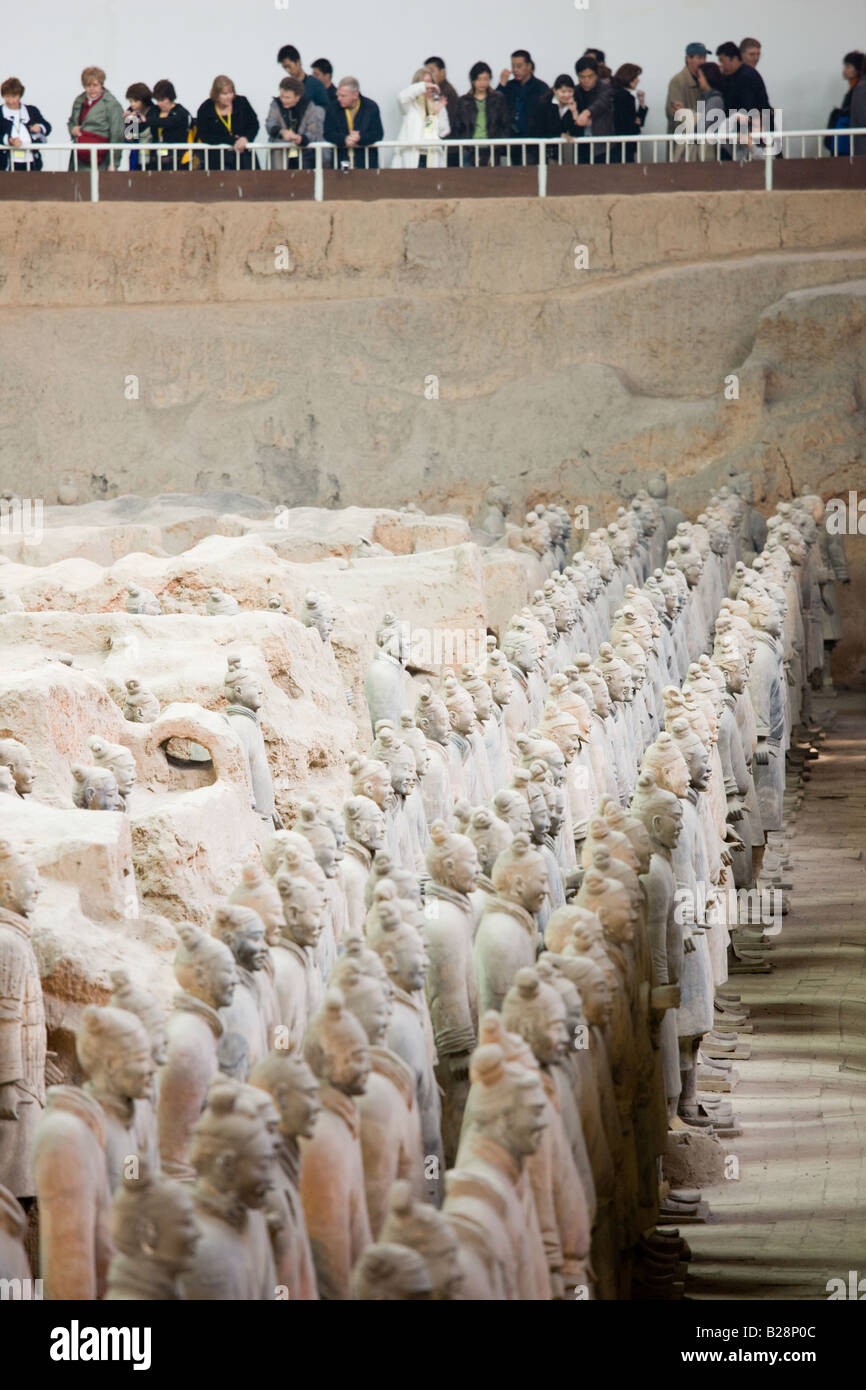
{"type": "Point", "coordinates": [229, 123]}
{"type": "Point", "coordinates": [21, 128]}
{"type": "Point", "coordinates": [135, 128]}
{"type": "Point", "coordinates": [168, 123]}
{"type": "Point", "coordinates": [293, 122]}
{"type": "Point", "coordinates": [629, 110]}
{"type": "Point", "coordinates": [96, 119]}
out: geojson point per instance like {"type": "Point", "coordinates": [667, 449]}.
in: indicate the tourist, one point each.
{"type": "Point", "coordinates": [436, 68]}
{"type": "Point", "coordinates": [853, 67]}
{"type": "Point", "coordinates": [97, 119]}
{"type": "Point", "coordinates": [354, 123]}
{"type": "Point", "coordinates": [425, 118]}
{"type": "Point", "coordinates": [135, 128]}
{"type": "Point", "coordinates": [290, 59]}
{"type": "Point", "coordinates": [857, 111]}
{"type": "Point", "coordinates": [228, 122]}
{"type": "Point", "coordinates": [744, 85]}
{"type": "Point", "coordinates": [629, 110]}
{"type": "Point", "coordinates": [594, 101]}
{"type": "Point", "coordinates": [481, 115]}
{"type": "Point", "coordinates": [598, 54]}
{"type": "Point", "coordinates": [293, 122]}
{"type": "Point", "coordinates": [683, 95]}
{"type": "Point", "coordinates": [21, 128]}
{"type": "Point", "coordinates": [323, 70]}
{"type": "Point", "coordinates": [522, 91]}
{"type": "Point", "coordinates": [750, 52]}
{"type": "Point", "coordinates": [556, 118]}
{"type": "Point", "coordinates": [169, 124]}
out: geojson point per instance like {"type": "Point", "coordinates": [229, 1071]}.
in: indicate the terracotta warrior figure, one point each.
{"type": "Point", "coordinates": [297, 981]}
{"type": "Point", "coordinates": [389, 1274]}
{"type": "Point", "coordinates": [433, 720]}
{"type": "Point", "coordinates": [365, 834]}
{"type": "Point", "coordinates": [429, 1233]}
{"type": "Point", "coordinates": [7, 782]}
{"type": "Point", "coordinates": [16, 757]}
{"type": "Point", "coordinates": [507, 936]}
{"type": "Point", "coordinates": [73, 1195]}
{"type": "Point", "coordinates": [243, 691]}
{"type": "Point", "coordinates": [205, 970]}
{"type": "Point", "coordinates": [259, 893]}
{"type": "Point", "coordinates": [489, 1197]}
{"type": "Point", "coordinates": [489, 745]}
{"type": "Point", "coordinates": [295, 1093]}
{"type": "Point", "coordinates": [318, 612]}
{"type": "Point", "coordinates": [536, 1011]}
{"type": "Point", "coordinates": [95, 789]}
{"type": "Point", "coordinates": [449, 923]}
{"type": "Point", "coordinates": [141, 600]}
{"type": "Point", "coordinates": [313, 824]}
{"type": "Point", "coordinates": [139, 706]}
{"type": "Point", "coordinates": [118, 760]}
{"type": "Point", "coordinates": [497, 506]}
{"type": "Point", "coordinates": [490, 835]}
{"type": "Point", "coordinates": [23, 1037]}
{"type": "Point", "coordinates": [116, 1057]}
{"type": "Point", "coordinates": [406, 808]}
{"type": "Point", "coordinates": [385, 684]}
{"type": "Point", "coordinates": [249, 1020]}
{"type": "Point", "coordinates": [220, 604]}
{"type": "Point", "coordinates": [390, 1122]}
{"type": "Point", "coordinates": [14, 1263]}
{"type": "Point", "coordinates": [155, 1234]}
{"type": "Point", "coordinates": [332, 1173]}
{"type": "Point", "coordinates": [402, 953]}
{"type": "Point", "coordinates": [234, 1160]}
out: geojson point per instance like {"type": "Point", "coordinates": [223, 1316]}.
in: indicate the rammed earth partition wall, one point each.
{"type": "Point", "coordinates": [394, 350]}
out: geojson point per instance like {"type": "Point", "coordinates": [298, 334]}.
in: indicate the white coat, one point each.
{"type": "Point", "coordinates": [415, 127]}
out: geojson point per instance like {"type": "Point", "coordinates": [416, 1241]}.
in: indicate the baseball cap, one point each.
{"type": "Point", "coordinates": [693, 50]}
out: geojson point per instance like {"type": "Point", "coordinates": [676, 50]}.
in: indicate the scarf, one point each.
{"type": "Point", "coordinates": [352, 112]}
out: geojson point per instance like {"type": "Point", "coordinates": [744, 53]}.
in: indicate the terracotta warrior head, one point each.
{"type": "Point", "coordinates": [536, 1010]}
{"type": "Point", "coordinates": [592, 985]}
{"type": "Point", "coordinates": [452, 860]}
{"type": "Point", "coordinates": [365, 822]}
{"type": "Point", "coordinates": [611, 902]}
{"type": "Point", "coordinates": [293, 1089]}
{"type": "Point", "coordinates": [431, 716]}
{"type": "Point", "coordinates": [490, 835]}
{"type": "Point", "coordinates": [257, 892]}
{"type": "Point", "coordinates": [420, 1227]}
{"type": "Point", "coordinates": [16, 757]}
{"type": "Point", "coordinates": [303, 909]}
{"type": "Point", "coordinates": [660, 811]}
{"type": "Point", "coordinates": [242, 686]}
{"type": "Point", "coordinates": [316, 829]}
{"type": "Point", "coordinates": [400, 948]}
{"type": "Point", "coordinates": [506, 1101]}
{"type": "Point", "coordinates": [336, 1048]}
{"type": "Point", "coordinates": [115, 1053]}
{"type": "Point", "coordinates": [153, 1221]}
{"type": "Point", "coordinates": [243, 931]}
{"type": "Point", "coordinates": [116, 759]}
{"type": "Point", "coordinates": [204, 967]}
{"type": "Point", "coordinates": [391, 1274]}
{"type": "Point", "coordinates": [232, 1149]}
{"type": "Point", "coordinates": [370, 778]}
{"type": "Point", "coordinates": [19, 881]}
{"type": "Point", "coordinates": [664, 759]}
{"type": "Point", "coordinates": [512, 807]}
{"type": "Point", "coordinates": [366, 991]}
{"type": "Point", "coordinates": [520, 875]}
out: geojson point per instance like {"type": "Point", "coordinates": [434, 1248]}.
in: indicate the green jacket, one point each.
{"type": "Point", "coordinates": [105, 118]}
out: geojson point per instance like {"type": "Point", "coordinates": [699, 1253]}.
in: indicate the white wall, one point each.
{"type": "Point", "coordinates": [47, 42]}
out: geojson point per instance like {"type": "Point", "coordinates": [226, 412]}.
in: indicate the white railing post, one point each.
{"type": "Point", "coordinates": [768, 166]}
{"type": "Point", "coordinates": [319, 176]}
{"type": "Point", "coordinates": [94, 176]}
{"type": "Point", "coordinates": [542, 171]}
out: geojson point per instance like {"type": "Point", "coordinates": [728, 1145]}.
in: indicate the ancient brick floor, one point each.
{"type": "Point", "coordinates": [795, 1216]}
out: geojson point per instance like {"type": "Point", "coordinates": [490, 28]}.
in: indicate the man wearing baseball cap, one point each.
{"type": "Point", "coordinates": [683, 91]}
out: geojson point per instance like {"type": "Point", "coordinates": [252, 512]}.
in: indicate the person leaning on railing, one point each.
{"type": "Point", "coordinates": [135, 128]}
{"type": "Point", "coordinates": [353, 123]}
{"type": "Point", "coordinates": [857, 112]}
{"type": "Point", "coordinates": [481, 114]}
{"type": "Point", "coordinates": [594, 99]}
{"type": "Point", "coordinates": [168, 123]}
{"type": "Point", "coordinates": [97, 119]}
{"type": "Point", "coordinates": [22, 128]}
{"type": "Point", "coordinates": [293, 122]}
{"type": "Point", "coordinates": [227, 119]}
{"type": "Point", "coordinates": [555, 120]}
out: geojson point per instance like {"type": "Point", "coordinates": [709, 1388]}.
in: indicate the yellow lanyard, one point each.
{"type": "Point", "coordinates": [226, 123]}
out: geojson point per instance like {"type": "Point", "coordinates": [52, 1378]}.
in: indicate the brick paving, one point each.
{"type": "Point", "coordinates": [796, 1215]}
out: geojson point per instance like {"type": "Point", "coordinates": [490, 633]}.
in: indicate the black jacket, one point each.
{"type": "Point", "coordinates": [368, 124]}
{"type": "Point", "coordinates": [498, 118]}
{"type": "Point", "coordinates": [210, 130]}
{"type": "Point", "coordinates": [744, 90]}
{"type": "Point", "coordinates": [171, 129]}
{"type": "Point", "coordinates": [532, 92]}
{"type": "Point", "coordinates": [628, 119]}
{"type": "Point", "coordinates": [36, 118]}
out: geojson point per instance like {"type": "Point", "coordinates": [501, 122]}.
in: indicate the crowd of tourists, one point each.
{"type": "Point", "coordinates": [439, 127]}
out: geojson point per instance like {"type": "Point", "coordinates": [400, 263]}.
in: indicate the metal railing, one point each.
{"type": "Point", "coordinates": [593, 150]}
